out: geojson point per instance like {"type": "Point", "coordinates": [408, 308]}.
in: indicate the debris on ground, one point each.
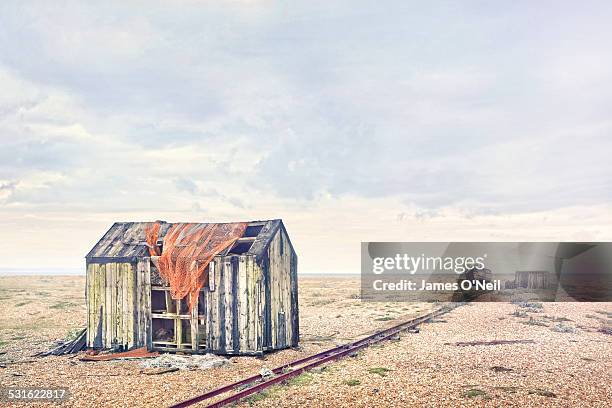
{"type": "Point", "coordinates": [266, 373]}
{"type": "Point", "coordinates": [157, 371]}
{"type": "Point", "coordinates": [67, 347]}
{"type": "Point", "coordinates": [195, 361]}
{"type": "Point", "coordinates": [490, 343]}
{"type": "Point", "coordinates": [136, 353]}
{"type": "Point", "coordinates": [563, 328]}
{"type": "Point", "coordinates": [605, 330]}
{"type": "Point", "coordinates": [501, 369]}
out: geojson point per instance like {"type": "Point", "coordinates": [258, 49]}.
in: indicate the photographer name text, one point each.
{"type": "Point", "coordinates": [426, 286]}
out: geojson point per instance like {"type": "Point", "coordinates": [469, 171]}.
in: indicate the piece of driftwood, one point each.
{"type": "Point", "coordinates": [501, 369]}
{"type": "Point", "coordinates": [157, 371]}
{"type": "Point", "coordinates": [5, 363]}
{"type": "Point", "coordinates": [490, 343]}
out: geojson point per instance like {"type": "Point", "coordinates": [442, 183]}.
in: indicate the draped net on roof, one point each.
{"type": "Point", "coordinates": [188, 248]}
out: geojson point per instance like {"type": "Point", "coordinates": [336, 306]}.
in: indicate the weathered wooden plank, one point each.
{"type": "Point", "coordinates": [133, 320]}
{"type": "Point", "coordinates": [89, 299]}
{"type": "Point", "coordinates": [223, 308]}
{"type": "Point", "coordinates": [139, 279]}
{"type": "Point", "coordinates": [124, 304]}
{"type": "Point", "coordinates": [195, 336]}
{"type": "Point", "coordinates": [107, 305]}
{"type": "Point", "coordinates": [234, 303]}
{"type": "Point", "coordinates": [295, 311]}
{"type": "Point", "coordinates": [262, 321]}
{"type": "Point", "coordinates": [254, 317]}
{"type": "Point", "coordinates": [147, 303]}
{"type": "Point", "coordinates": [99, 324]}
{"type": "Point", "coordinates": [178, 332]}
{"type": "Point", "coordinates": [88, 292]}
{"type": "Point", "coordinates": [243, 303]}
{"type": "Point", "coordinates": [274, 292]}
{"type": "Point", "coordinates": [211, 303]}
{"type": "Point", "coordinates": [115, 271]}
{"type": "Point", "coordinates": [286, 271]}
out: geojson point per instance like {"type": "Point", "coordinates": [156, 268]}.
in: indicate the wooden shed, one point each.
{"type": "Point", "coordinates": [248, 305]}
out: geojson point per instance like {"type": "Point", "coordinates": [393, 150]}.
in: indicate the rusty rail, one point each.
{"type": "Point", "coordinates": [297, 367]}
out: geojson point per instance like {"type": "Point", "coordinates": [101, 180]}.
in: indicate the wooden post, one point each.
{"type": "Point", "coordinates": [177, 332]}
{"type": "Point", "coordinates": [195, 338]}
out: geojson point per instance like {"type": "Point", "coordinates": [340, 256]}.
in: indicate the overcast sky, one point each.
{"type": "Point", "coordinates": [350, 121]}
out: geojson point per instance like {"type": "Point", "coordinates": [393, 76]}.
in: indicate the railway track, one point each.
{"type": "Point", "coordinates": [256, 383]}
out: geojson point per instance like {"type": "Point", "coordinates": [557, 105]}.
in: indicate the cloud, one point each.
{"type": "Point", "coordinates": [186, 184]}
{"type": "Point", "coordinates": [238, 111]}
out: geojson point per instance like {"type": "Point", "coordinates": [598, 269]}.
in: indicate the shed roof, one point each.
{"type": "Point", "coordinates": [126, 241]}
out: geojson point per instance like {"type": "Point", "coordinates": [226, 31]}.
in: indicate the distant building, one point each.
{"type": "Point", "coordinates": [245, 299]}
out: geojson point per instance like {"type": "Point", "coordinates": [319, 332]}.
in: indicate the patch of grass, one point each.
{"type": "Point", "coordinates": [19, 336]}
{"type": "Point", "coordinates": [3, 343]}
{"type": "Point", "coordinates": [475, 392]}
{"type": "Point", "coordinates": [302, 379]}
{"type": "Point", "coordinates": [321, 302]}
{"type": "Point", "coordinates": [519, 313]}
{"type": "Point", "coordinates": [22, 303]}
{"type": "Point", "coordinates": [542, 392]}
{"type": "Point", "coordinates": [384, 319]}
{"type": "Point", "coordinates": [260, 396]}
{"type": "Point", "coordinates": [351, 383]}
{"type": "Point", "coordinates": [324, 369]}
{"type": "Point", "coordinates": [382, 371]}
{"type": "Point", "coordinates": [530, 305]}
{"type": "Point", "coordinates": [62, 305]}
{"type": "Point", "coordinates": [563, 328]}
{"type": "Point", "coordinates": [509, 390]}
{"type": "Point", "coordinates": [535, 322]}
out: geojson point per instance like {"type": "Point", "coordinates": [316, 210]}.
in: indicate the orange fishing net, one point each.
{"type": "Point", "coordinates": [187, 251]}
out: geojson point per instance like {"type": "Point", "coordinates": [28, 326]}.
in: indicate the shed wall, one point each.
{"type": "Point", "coordinates": [118, 304]}
{"type": "Point", "coordinates": [279, 291]}
{"type": "Point", "coordinates": [233, 321]}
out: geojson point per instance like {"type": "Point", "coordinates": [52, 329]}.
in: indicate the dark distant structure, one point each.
{"type": "Point", "coordinates": [533, 280]}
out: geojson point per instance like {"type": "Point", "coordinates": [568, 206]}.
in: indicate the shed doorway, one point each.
{"type": "Point", "coordinates": [173, 326]}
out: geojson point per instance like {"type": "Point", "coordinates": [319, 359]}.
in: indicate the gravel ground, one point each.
{"type": "Point", "coordinates": [568, 367]}
{"type": "Point", "coordinates": [427, 369]}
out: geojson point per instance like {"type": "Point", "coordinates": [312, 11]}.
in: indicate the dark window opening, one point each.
{"type": "Point", "coordinates": [162, 330]}
{"type": "Point", "coordinates": [202, 303]}
{"type": "Point", "coordinates": [240, 248]}
{"type": "Point", "coordinates": [184, 310]}
{"type": "Point", "coordinates": [202, 331]}
{"type": "Point", "coordinates": [185, 331]}
{"type": "Point", "coordinates": [158, 301]}
{"type": "Point", "coordinates": [252, 231]}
